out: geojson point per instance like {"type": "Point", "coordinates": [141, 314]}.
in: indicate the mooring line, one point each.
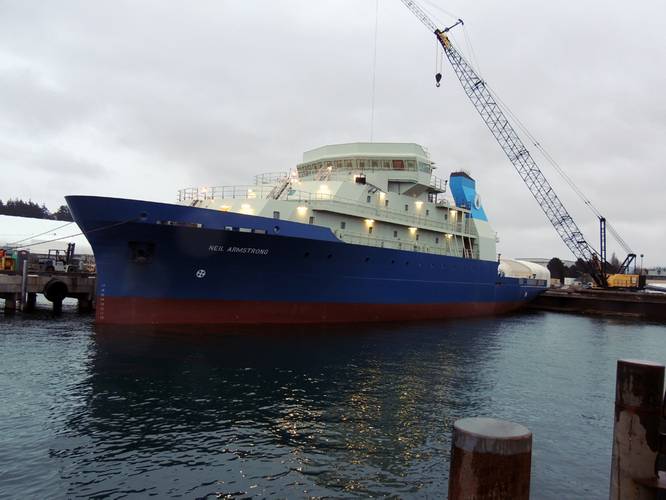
{"type": "Point", "coordinates": [84, 233]}
{"type": "Point", "coordinates": [40, 234]}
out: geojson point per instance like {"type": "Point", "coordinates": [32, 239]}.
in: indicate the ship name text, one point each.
{"type": "Point", "coordinates": [248, 250]}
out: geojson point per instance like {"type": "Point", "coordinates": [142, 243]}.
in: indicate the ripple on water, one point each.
{"type": "Point", "coordinates": [335, 411]}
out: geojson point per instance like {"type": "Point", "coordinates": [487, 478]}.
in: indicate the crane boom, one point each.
{"type": "Point", "coordinates": [514, 148]}
{"type": "Point", "coordinates": [421, 15]}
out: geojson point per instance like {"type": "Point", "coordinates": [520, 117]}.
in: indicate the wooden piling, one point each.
{"type": "Point", "coordinates": [24, 284]}
{"type": "Point", "coordinates": [10, 303]}
{"type": "Point", "coordinates": [490, 459]}
{"type": "Point", "coordinates": [30, 302]}
{"type": "Point", "coordinates": [85, 304]}
{"type": "Point", "coordinates": [639, 390]}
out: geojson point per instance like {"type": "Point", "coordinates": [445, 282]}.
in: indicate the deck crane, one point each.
{"type": "Point", "coordinates": [514, 148]}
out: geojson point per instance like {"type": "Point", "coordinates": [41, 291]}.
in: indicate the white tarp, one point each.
{"type": "Point", "coordinates": [523, 269]}
{"type": "Point", "coordinates": [36, 235]}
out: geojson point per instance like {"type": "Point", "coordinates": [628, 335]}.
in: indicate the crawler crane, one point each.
{"type": "Point", "coordinates": [494, 117]}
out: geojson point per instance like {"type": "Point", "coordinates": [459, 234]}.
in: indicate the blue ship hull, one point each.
{"type": "Point", "coordinates": [170, 264]}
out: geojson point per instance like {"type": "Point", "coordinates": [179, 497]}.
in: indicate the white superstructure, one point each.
{"type": "Point", "coordinates": [378, 194]}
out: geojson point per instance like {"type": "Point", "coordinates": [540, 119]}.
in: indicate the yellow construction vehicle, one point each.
{"type": "Point", "coordinates": [7, 261]}
{"type": "Point", "coordinates": [633, 281]}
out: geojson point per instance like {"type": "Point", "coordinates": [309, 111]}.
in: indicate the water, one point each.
{"type": "Point", "coordinates": [338, 412]}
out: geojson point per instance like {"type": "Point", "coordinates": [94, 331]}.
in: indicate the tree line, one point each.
{"type": "Point", "coordinates": [559, 270]}
{"type": "Point", "coordinates": [20, 208]}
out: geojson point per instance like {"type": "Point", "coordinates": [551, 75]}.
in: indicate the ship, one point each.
{"type": "Point", "coordinates": [356, 232]}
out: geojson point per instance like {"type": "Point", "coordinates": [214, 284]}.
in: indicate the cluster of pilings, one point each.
{"type": "Point", "coordinates": [491, 459]}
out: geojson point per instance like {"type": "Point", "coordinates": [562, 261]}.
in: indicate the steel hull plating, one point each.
{"type": "Point", "coordinates": [170, 264]}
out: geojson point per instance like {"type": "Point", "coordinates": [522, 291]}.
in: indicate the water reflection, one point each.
{"type": "Point", "coordinates": [317, 411]}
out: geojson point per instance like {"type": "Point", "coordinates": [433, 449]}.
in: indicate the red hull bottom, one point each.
{"type": "Point", "coordinates": [140, 311]}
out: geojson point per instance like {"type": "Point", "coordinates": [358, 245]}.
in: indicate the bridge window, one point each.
{"type": "Point", "coordinates": [386, 164]}
{"type": "Point", "coordinates": [395, 234]}
{"type": "Point", "coordinates": [343, 224]}
{"type": "Point", "coordinates": [406, 208]}
{"type": "Point", "coordinates": [424, 167]}
{"type": "Point", "coordinates": [398, 165]}
{"type": "Point", "coordinates": [312, 219]}
{"type": "Point", "coordinates": [348, 164]}
{"type": "Point", "coordinates": [375, 163]}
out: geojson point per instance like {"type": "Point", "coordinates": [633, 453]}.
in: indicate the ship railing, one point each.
{"type": "Point", "coordinates": [221, 192]}
{"type": "Point", "coordinates": [330, 202]}
{"type": "Point", "coordinates": [347, 167]}
{"type": "Point", "coordinates": [444, 248]}
{"type": "Point", "coordinates": [438, 183]}
{"type": "Point", "coordinates": [333, 203]}
{"type": "Point", "coordinates": [255, 191]}
{"type": "Point", "coordinates": [270, 178]}
{"type": "Point", "coordinates": [461, 225]}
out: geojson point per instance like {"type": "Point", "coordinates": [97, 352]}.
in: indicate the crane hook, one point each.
{"type": "Point", "coordinates": [438, 78]}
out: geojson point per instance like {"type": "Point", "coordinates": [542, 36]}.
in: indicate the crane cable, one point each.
{"type": "Point", "coordinates": [537, 144]}
{"type": "Point", "coordinates": [558, 168]}
{"type": "Point", "coordinates": [439, 62]}
{"type": "Point", "coordinates": [374, 74]}
{"type": "Point", "coordinates": [424, 16]}
{"type": "Point", "coordinates": [442, 10]}
{"type": "Point", "coordinates": [472, 53]}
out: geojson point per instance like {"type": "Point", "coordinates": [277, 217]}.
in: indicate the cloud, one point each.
{"type": "Point", "coordinates": [139, 100]}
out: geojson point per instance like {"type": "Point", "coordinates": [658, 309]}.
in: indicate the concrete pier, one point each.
{"type": "Point", "coordinates": [490, 459]}
{"type": "Point", "coordinates": [22, 289]}
{"type": "Point", "coordinates": [641, 305]}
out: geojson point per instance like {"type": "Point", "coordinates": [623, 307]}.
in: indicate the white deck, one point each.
{"type": "Point", "coordinates": [367, 193]}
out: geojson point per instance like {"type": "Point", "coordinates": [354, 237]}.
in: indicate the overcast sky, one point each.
{"type": "Point", "coordinates": [138, 99]}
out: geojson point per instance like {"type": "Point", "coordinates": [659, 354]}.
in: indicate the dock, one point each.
{"type": "Point", "coordinates": [19, 291]}
{"type": "Point", "coordinates": [641, 305]}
